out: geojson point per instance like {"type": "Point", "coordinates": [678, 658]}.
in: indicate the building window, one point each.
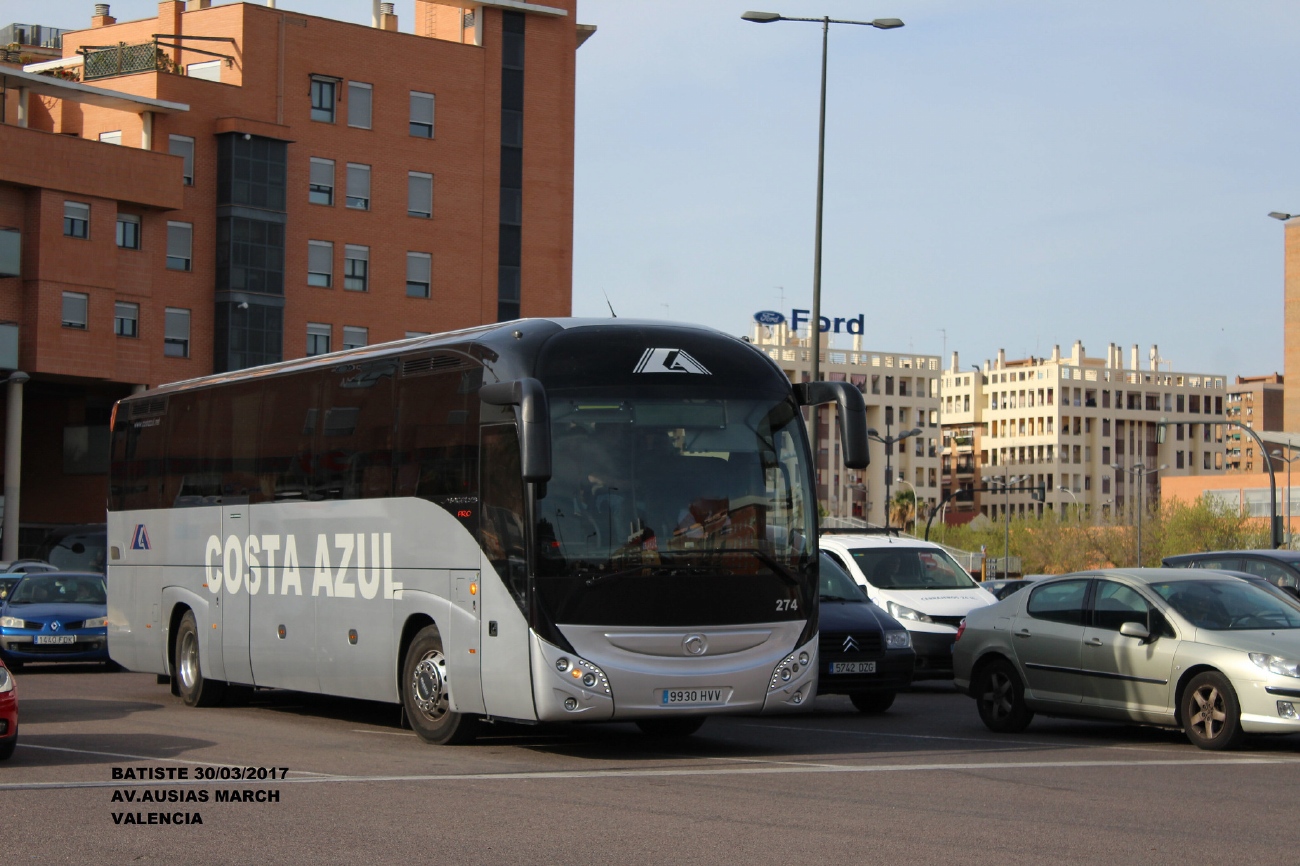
{"type": "Point", "coordinates": [180, 245]}
{"type": "Point", "coordinates": [355, 338]}
{"type": "Point", "coordinates": [419, 194]}
{"type": "Point", "coordinates": [126, 319]}
{"type": "Point", "coordinates": [252, 171]}
{"type": "Point", "coordinates": [320, 264]}
{"type": "Point", "coordinates": [183, 146]}
{"type": "Point", "coordinates": [322, 99]}
{"type": "Point", "coordinates": [318, 339]}
{"type": "Point", "coordinates": [128, 231]}
{"type": "Point", "coordinates": [321, 190]}
{"type": "Point", "coordinates": [419, 273]}
{"type": "Point", "coordinates": [76, 310]}
{"type": "Point", "coordinates": [356, 268]}
{"type": "Point", "coordinates": [359, 100]}
{"type": "Point", "coordinates": [421, 114]}
{"type": "Point", "coordinates": [76, 219]}
{"type": "Point", "coordinates": [176, 334]}
{"type": "Point", "coordinates": [358, 186]}
{"type": "Point", "coordinates": [208, 70]}
{"type": "Point", "coordinates": [114, 137]}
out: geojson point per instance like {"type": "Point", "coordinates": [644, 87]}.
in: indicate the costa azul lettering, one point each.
{"type": "Point", "coordinates": [345, 565]}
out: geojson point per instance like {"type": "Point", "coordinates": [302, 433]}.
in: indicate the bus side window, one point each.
{"type": "Point", "coordinates": [501, 528]}
{"type": "Point", "coordinates": [354, 450]}
{"type": "Point", "coordinates": [287, 432]}
{"type": "Point", "coordinates": [437, 438]}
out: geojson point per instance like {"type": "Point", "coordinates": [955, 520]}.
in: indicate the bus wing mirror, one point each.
{"type": "Point", "coordinates": [853, 416]}
{"type": "Point", "coordinates": [535, 423]}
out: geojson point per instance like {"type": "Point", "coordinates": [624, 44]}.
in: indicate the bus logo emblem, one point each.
{"type": "Point", "coordinates": [669, 361]}
{"type": "Point", "coordinates": [140, 538]}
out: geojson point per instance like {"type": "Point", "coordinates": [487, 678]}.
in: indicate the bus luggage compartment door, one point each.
{"type": "Point", "coordinates": [463, 646]}
{"type": "Point", "coordinates": [234, 593]}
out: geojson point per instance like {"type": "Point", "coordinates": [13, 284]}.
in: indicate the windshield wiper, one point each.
{"type": "Point", "coordinates": [649, 571]}
{"type": "Point", "coordinates": [839, 598]}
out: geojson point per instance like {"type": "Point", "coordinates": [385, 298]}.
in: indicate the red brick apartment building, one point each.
{"type": "Point", "coordinates": [225, 186]}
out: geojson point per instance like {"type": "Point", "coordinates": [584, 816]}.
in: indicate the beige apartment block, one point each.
{"type": "Point", "coordinates": [901, 391]}
{"type": "Point", "coordinates": [1062, 422]}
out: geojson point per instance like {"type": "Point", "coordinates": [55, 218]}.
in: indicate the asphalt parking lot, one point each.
{"type": "Point", "coordinates": [924, 783]}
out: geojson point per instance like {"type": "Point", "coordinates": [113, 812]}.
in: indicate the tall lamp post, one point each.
{"type": "Point", "coordinates": [815, 327]}
{"type": "Point", "coordinates": [1006, 481]}
{"type": "Point", "coordinates": [1140, 472]}
{"type": "Point", "coordinates": [1288, 461]}
{"type": "Point", "coordinates": [889, 442]}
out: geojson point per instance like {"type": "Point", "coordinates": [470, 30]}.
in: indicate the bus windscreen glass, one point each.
{"type": "Point", "coordinates": [675, 512]}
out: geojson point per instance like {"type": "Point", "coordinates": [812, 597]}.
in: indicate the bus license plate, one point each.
{"type": "Point", "coordinates": [853, 667]}
{"type": "Point", "coordinates": [692, 697]}
{"type": "Point", "coordinates": [56, 638]}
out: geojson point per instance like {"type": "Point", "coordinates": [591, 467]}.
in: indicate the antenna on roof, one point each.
{"type": "Point", "coordinates": [611, 306]}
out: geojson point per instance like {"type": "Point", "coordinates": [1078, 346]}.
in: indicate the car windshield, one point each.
{"type": "Point", "coordinates": [836, 585]}
{"type": "Point", "coordinates": [686, 511]}
{"type": "Point", "coordinates": [60, 589]}
{"type": "Point", "coordinates": [1227, 605]}
{"type": "Point", "coordinates": [897, 567]}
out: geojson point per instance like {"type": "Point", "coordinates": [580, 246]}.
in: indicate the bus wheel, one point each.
{"type": "Point", "coordinates": [426, 697]}
{"type": "Point", "coordinates": [195, 689]}
{"type": "Point", "coordinates": [668, 729]}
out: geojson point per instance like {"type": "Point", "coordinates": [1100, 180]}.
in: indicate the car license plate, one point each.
{"type": "Point", "coordinates": [693, 697]}
{"type": "Point", "coordinates": [853, 667]}
{"type": "Point", "coordinates": [56, 638]}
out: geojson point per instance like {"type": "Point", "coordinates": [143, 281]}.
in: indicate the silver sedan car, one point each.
{"type": "Point", "coordinates": [1199, 650]}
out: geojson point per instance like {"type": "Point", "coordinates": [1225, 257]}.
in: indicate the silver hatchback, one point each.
{"type": "Point", "coordinates": [1202, 651]}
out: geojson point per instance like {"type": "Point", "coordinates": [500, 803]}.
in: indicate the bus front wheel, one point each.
{"type": "Point", "coordinates": [426, 697]}
{"type": "Point", "coordinates": [195, 689]}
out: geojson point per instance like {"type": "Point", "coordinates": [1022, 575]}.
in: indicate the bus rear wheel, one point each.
{"type": "Point", "coordinates": [195, 689]}
{"type": "Point", "coordinates": [426, 696]}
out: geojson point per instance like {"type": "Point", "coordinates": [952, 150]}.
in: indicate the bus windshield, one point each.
{"type": "Point", "coordinates": [675, 512]}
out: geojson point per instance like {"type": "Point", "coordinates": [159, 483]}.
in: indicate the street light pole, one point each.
{"type": "Point", "coordinates": [1064, 489]}
{"type": "Point", "coordinates": [889, 442]}
{"type": "Point", "coordinates": [815, 326]}
{"type": "Point", "coordinates": [1288, 461]}
{"type": "Point", "coordinates": [1140, 472]}
{"type": "Point", "coordinates": [1006, 482]}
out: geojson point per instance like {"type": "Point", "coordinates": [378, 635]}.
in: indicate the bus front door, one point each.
{"type": "Point", "coordinates": [235, 591]}
{"type": "Point", "coordinates": [464, 649]}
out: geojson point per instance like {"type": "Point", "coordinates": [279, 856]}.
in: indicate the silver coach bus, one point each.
{"type": "Point", "coordinates": [555, 520]}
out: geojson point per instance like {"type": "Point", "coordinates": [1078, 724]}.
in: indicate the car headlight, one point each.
{"type": "Point", "coordinates": [97, 622]}
{"type": "Point", "coordinates": [12, 622]}
{"type": "Point", "coordinates": [897, 640]}
{"type": "Point", "coordinates": [897, 611]}
{"type": "Point", "coordinates": [1276, 664]}
{"type": "Point", "coordinates": [6, 681]}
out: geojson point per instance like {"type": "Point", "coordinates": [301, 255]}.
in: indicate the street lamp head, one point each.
{"type": "Point", "coordinates": [872, 431]}
{"type": "Point", "coordinates": [1162, 466]}
{"type": "Point", "coordinates": [1161, 426]}
{"type": "Point", "coordinates": [915, 431]}
{"type": "Point", "coordinates": [1277, 215]}
{"type": "Point", "coordinates": [886, 23]}
{"type": "Point", "coordinates": [761, 17]}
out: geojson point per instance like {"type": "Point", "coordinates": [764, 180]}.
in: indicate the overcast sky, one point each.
{"type": "Point", "coordinates": [999, 173]}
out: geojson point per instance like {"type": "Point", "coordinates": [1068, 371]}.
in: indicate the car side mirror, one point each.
{"type": "Point", "coordinates": [1135, 629]}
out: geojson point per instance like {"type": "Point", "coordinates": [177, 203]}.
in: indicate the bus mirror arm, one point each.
{"type": "Point", "coordinates": [535, 423]}
{"type": "Point", "coordinates": [852, 414]}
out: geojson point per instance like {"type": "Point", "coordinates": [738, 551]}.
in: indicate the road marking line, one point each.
{"type": "Point", "coordinates": [389, 733]}
{"type": "Point", "coordinates": [990, 741]}
{"type": "Point", "coordinates": [682, 772]}
{"type": "Point", "coordinates": [148, 758]}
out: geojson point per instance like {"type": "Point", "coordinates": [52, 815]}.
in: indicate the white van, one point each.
{"type": "Point", "coordinates": [919, 584]}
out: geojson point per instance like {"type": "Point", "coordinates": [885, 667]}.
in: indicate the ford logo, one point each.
{"type": "Point", "coordinates": [769, 317]}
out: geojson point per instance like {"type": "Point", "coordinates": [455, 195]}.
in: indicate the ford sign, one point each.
{"type": "Point", "coordinates": [769, 317]}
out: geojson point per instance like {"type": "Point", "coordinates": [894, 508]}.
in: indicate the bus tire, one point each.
{"type": "Point", "coordinates": [195, 690]}
{"type": "Point", "coordinates": [426, 697]}
{"type": "Point", "coordinates": [670, 729]}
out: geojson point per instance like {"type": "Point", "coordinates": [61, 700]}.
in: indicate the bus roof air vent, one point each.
{"type": "Point", "coordinates": [437, 363]}
{"type": "Point", "coordinates": [148, 408]}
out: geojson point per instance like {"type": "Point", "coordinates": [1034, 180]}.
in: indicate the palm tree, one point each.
{"type": "Point", "coordinates": [902, 509]}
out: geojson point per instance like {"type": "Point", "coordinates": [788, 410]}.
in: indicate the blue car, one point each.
{"type": "Point", "coordinates": [55, 617]}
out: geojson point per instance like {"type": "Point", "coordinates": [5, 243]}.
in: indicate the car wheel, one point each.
{"type": "Point", "coordinates": [1211, 713]}
{"type": "Point", "coordinates": [671, 729]}
{"type": "Point", "coordinates": [872, 702]}
{"type": "Point", "coordinates": [7, 746]}
{"type": "Point", "coordinates": [1000, 697]}
{"type": "Point", "coordinates": [195, 689]}
{"type": "Point", "coordinates": [426, 697]}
